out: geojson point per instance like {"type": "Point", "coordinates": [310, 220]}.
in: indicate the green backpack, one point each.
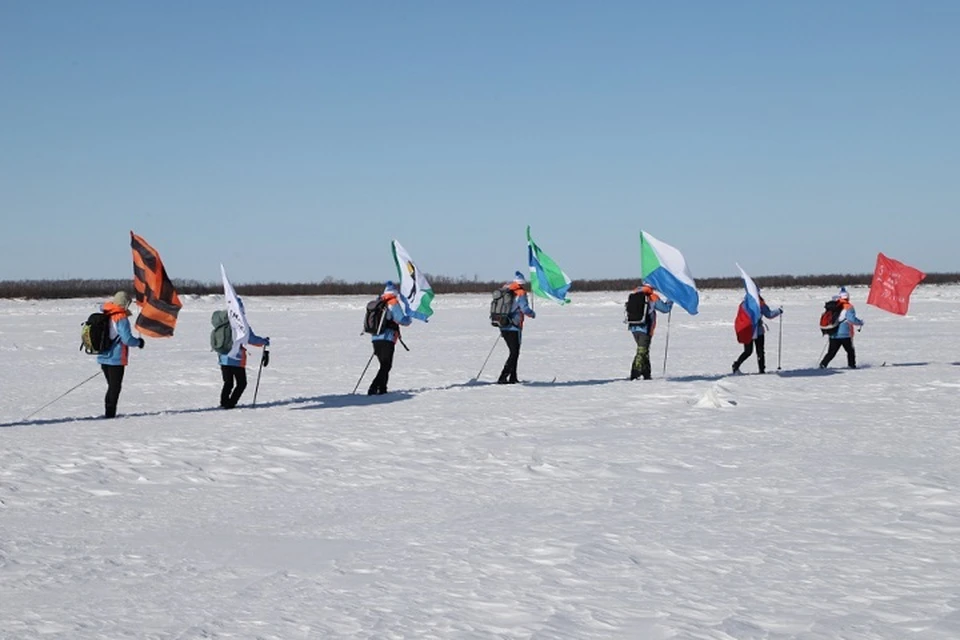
{"type": "Point", "coordinates": [221, 337]}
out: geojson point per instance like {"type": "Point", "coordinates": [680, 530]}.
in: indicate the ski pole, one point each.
{"type": "Point", "coordinates": [61, 396]}
{"type": "Point", "coordinates": [488, 357]}
{"type": "Point", "coordinates": [823, 351]}
{"type": "Point", "coordinates": [666, 347]}
{"type": "Point", "coordinates": [357, 386]}
{"type": "Point", "coordinates": [264, 359]}
{"type": "Point", "coordinates": [779, 341]}
{"type": "Point", "coordinates": [402, 343]}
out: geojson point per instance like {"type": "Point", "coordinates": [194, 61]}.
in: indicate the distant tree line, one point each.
{"type": "Point", "coordinates": [104, 287]}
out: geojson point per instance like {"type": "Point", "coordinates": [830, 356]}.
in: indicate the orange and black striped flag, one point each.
{"type": "Point", "coordinates": [158, 300]}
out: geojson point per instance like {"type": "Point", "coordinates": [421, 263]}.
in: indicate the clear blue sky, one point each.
{"type": "Point", "coordinates": [293, 140]}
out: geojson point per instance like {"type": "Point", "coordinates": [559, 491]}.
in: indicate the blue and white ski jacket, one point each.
{"type": "Point", "coordinates": [766, 312]}
{"type": "Point", "coordinates": [520, 309]}
{"type": "Point", "coordinates": [848, 320]}
{"type": "Point", "coordinates": [120, 334]}
{"type": "Point", "coordinates": [253, 340]}
{"type": "Point", "coordinates": [654, 303]}
{"type": "Point", "coordinates": [397, 314]}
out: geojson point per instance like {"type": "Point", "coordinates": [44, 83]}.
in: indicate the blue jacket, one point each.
{"type": "Point", "coordinates": [252, 339]}
{"type": "Point", "coordinates": [397, 314]}
{"type": "Point", "coordinates": [766, 312]}
{"type": "Point", "coordinates": [121, 335]}
{"type": "Point", "coordinates": [655, 304]}
{"type": "Point", "coordinates": [848, 320]}
{"type": "Point", "coordinates": [520, 309]}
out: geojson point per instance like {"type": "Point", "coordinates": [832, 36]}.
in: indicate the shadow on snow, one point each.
{"type": "Point", "coordinates": [143, 414]}
{"type": "Point", "coordinates": [353, 400]}
{"type": "Point", "coordinates": [807, 373]}
{"type": "Point", "coordinates": [702, 378]}
{"type": "Point", "coordinates": [473, 382]}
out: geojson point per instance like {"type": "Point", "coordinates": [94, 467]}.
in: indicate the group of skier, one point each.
{"type": "Point", "coordinates": [643, 304]}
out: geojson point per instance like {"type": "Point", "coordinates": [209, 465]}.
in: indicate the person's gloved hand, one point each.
{"type": "Point", "coordinates": [142, 342]}
{"type": "Point", "coordinates": [266, 341]}
{"type": "Point", "coordinates": [266, 358]}
{"type": "Point", "coordinates": [533, 314]}
{"type": "Point", "coordinates": [780, 310]}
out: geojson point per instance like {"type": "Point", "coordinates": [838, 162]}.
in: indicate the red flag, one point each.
{"type": "Point", "coordinates": [893, 282]}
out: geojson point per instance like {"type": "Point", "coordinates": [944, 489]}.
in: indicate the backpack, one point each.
{"type": "Point", "coordinates": [501, 307]}
{"type": "Point", "coordinates": [831, 318]}
{"type": "Point", "coordinates": [95, 334]}
{"type": "Point", "coordinates": [637, 309]}
{"type": "Point", "coordinates": [221, 336]}
{"type": "Point", "coordinates": [376, 320]}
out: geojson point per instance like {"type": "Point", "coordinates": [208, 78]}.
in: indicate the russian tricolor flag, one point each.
{"type": "Point", "coordinates": [748, 314]}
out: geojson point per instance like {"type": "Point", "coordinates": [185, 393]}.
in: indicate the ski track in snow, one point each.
{"type": "Point", "coordinates": [810, 504]}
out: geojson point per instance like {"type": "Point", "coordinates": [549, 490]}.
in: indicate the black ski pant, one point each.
{"type": "Point", "coordinates": [384, 350]}
{"type": "Point", "coordinates": [834, 348]}
{"type": "Point", "coordinates": [509, 373]}
{"type": "Point", "coordinates": [114, 375]}
{"type": "Point", "coordinates": [641, 360]}
{"type": "Point", "coordinates": [748, 351]}
{"type": "Point", "coordinates": [234, 383]}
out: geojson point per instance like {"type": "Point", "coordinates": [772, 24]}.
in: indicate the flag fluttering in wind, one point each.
{"type": "Point", "coordinates": [748, 313]}
{"type": "Point", "coordinates": [547, 279]}
{"type": "Point", "coordinates": [892, 284]}
{"type": "Point", "coordinates": [664, 268]}
{"type": "Point", "coordinates": [239, 326]}
{"type": "Point", "coordinates": [414, 287]}
{"type": "Point", "coordinates": [158, 300]}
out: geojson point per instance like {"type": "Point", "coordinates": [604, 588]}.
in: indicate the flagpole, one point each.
{"type": "Point", "coordinates": [780, 341]}
{"type": "Point", "coordinates": [666, 347]}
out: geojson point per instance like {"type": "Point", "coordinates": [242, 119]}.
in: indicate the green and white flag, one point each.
{"type": "Point", "coordinates": [413, 284]}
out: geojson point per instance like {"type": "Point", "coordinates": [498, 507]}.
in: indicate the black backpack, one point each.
{"type": "Point", "coordinates": [637, 309]}
{"type": "Point", "coordinates": [376, 319]}
{"type": "Point", "coordinates": [501, 306]}
{"type": "Point", "coordinates": [830, 318]}
{"type": "Point", "coordinates": [95, 334]}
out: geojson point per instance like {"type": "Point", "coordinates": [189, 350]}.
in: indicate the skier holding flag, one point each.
{"type": "Point", "coordinates": [231, 333]}
{"type": "Point", "coordinates": [748, 324]}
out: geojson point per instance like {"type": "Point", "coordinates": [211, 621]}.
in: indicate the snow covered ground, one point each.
{"type": "Point", "coordinates": [578, 505]}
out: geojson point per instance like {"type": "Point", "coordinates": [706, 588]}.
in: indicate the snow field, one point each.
{"type": "Point", "coordinates": [702, 505]}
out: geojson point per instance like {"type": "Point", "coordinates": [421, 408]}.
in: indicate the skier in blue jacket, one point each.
{"type": "Point", "coordinates": [513, 332]}
{"type": "Point", "coordinates": [843, 335]}
{"type": "Point", "coordinates": [385, 342]}
{"type": "Point", "coordinates": [233, 370]}
{"type": "Point", "coordinates": [114, 361]}
{"type": "Point", "coordinates": [758, 339]}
